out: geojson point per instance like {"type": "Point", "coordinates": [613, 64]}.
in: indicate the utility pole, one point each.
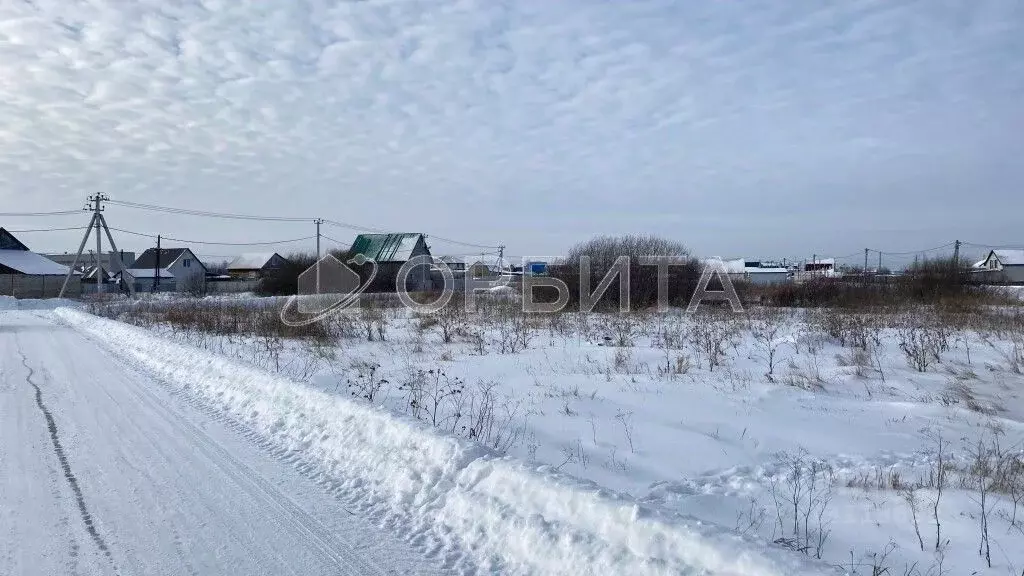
{"type": "Point", "coordinates": [879, 261]}
{"type": "Point", "coordinates": [501, 258]}
{"type": "Point", "coordinates": [956, 260]}
{"type": "Point", "coordinates": [156, 266]}
{"type": "Point", "coordinates": [866, 262]}
{"type": "Point", "coordinates": [97, 207]}
{"type": "Point", "coordinates": [100, 224]}
{"type": "Point", "coordinates": [318, 222]}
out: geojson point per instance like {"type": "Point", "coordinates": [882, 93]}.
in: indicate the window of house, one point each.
{"type": "Point", "coordinates": [186, 263]}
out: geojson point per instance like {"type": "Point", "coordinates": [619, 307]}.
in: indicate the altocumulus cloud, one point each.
{"type": "Point", "coordinates": [734, 126]}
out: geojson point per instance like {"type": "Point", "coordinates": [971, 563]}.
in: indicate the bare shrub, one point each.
{"type": "Point", "coordinates": [802, 497]}
{"type": "Point", "coordinates": [512, 326]}
{"type": "Point", "coordinates": [365, 383]}
{"type": "Point", "coordinates": [921, 341]}
{"type": "Point", "coordinates": [768, 327]}
{"type": "Point", "coordinates": [711, 336]}
{"type": "Point", "coordinates": [451, 319]}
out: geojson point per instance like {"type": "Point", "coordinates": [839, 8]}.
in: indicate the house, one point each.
{"type": "Point", "coordinates": [25, 274]}
{"type": "Point", "coordinates": [112, 262]}
{"type": "Point", "coordinates": [390, 252]}
{"type": "Point", "coordinates": [1003, 267]}
{"type": "Point", "coordinates": [168, 270]}
{"type": "Point", "coordinates": [255, 265]}
{"type": "Point", "coordinates": [461, 266]}
{"type": "Point", "coordinates": [815, 269]}
{"type": "Point", "coordinates": [753, 271]}
{"type": "Point", "coordinates": [765, 273]}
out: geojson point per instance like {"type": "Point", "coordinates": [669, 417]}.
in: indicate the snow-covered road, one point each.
{"type": "Point", "coordinates": [104, 471]}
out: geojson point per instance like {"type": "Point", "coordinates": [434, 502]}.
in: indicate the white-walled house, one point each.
{"type": "Point", "coordinates": [1003, 266]}
{"type": "Point", "coordinates": [168, 270]}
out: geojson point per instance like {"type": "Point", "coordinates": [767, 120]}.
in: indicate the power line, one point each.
{"type": "Point", "coordinates": [234, 216]}
{"type": "Point", "coordinates": [469, 244]}
{"type": "Point", "coordinates": [48, 229]}
{"type": "Point", "coordinates": [994, 246]}
{"type": "Point", "coordinates": [908, 253]}
{"type": "Point", "coordinates": [348, 226]}
{"type": "Point", "coordinates": [209, 243]}
{"type": "Point", "coordinates": [188, 212]}
{"type": "Point", "coordinates": [338, 242]}
{"type": "Point", "coordinates": [57, 213]}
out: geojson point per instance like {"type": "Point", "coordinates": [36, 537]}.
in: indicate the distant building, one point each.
{"type": "Point", "coordinates": [87, 261]}
{"type": "Point", "coordinates": [753, 271]}
{"type": "Point", "coordinates": [765, 273]}
{"type": "Point", "coordinates": [167, 270]}
{"type": "Point", "coordinates": [255, 265]}
{"type": "Point", "coordinates": [390, 252]}
{"type": "Point", "coordinates": [1002, 267]}
{"type": "Point", "coordinates": [25, 274]}
{"type": "Point", "coordinates": [461, 266]}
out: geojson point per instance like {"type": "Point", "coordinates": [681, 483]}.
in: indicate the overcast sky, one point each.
{"type": "Point", "coordinates": [739, 127]}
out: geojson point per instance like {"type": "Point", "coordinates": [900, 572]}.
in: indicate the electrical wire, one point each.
{"type": "Point", "coordinates": [993, 246]}
{"type": "Point", "coordinates": [49, 229]}
{"type": "Point", "coordinates": [57, 213]}
{"type": "Point", "coordinates": [188, 212]}
{"type": "Point", "coordinates": [912, 252]}
{"type": "Point", "coordinates": [209, 243]}
{"type": "Point", "coordinates": [234, 216]}
{"type": "Point", "coordinates": [338, 242]}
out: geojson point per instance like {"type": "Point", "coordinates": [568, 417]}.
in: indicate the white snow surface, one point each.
{"type": "Point", "coordinates": [251, 261]}
{"type": "Point", "coordinates": [31, 263]}
{"type": "Point", "coordinates": [105, 472]}
{"type": "Point", "coordinates": [12, 303]}
{"type": "Point", "coordinates": [484, 513]}
{"type": "Point", "coordinates": [651, 419]}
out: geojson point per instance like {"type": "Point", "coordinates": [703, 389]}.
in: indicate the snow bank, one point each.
{"type": "Point", "coordinates": [12, 303]}
{"type": "Point", "coordinates": [507, 517]}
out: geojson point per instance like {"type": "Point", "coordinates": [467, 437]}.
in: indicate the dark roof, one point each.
{"type": "Point", "coordinates": [387, 247]}
{"type": "Point", "coordinates": [9, 242]}
{"type": "Point", "coordinates": [167, 256]}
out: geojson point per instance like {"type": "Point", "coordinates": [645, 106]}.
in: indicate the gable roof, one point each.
{"type": "Point", "coordinates": [167, 257]}
{"type": "Point", "coordinates": [253, 260]}
{"type": "Point", "coordinates": [9, 242]}
{"type": "Point", "coordinates": [387, 247]}
{"type": "Point", "coordinates": [31, 263]}
{"type": "Point", "coordinates": [1009, 257]}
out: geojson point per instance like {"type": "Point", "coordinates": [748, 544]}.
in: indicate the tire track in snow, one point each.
{"type": "Point", "coordinates": [65, 465]}
{"type": "Point", "coordinates": [332, 549]}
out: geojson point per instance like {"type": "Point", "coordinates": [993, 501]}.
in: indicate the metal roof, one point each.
{"type": "Point", "coordinates": [386, 247]}
{"type": "Point", "coordinates": [31, 263]}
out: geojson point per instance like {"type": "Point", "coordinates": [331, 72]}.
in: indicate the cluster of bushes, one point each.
{"type": "Point", "coordinates": [602, 253]}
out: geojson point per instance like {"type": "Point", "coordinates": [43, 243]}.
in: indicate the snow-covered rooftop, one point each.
{"type": "Point", "coordinates": [31, 263]}
{"type": "Point", "coordinates": [1010, 257]}
{"type": "Point", "coordinates": [251, 261]}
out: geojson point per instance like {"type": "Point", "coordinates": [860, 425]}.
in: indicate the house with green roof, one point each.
{"type": "Point", "coordinates": [390, 252]}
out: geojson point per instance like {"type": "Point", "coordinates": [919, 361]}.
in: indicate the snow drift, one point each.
{"type": "Point", "coordinates": [452, 495]}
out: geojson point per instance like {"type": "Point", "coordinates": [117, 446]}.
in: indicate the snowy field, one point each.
{"type": "Point", "coordinates": [887, 443]}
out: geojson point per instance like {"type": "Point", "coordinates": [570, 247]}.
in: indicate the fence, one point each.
{"type": "Point", "coordinates": [22, 286]}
